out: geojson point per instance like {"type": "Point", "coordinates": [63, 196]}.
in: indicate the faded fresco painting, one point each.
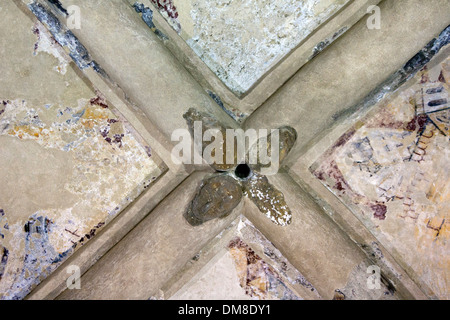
{"type": "Point", "coordinates": [392, 170]}
{"type": "Point", "coordinates": [69, 162]}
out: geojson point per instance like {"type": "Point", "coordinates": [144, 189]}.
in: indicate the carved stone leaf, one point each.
{"type": "Point", "coordinates": [209, 122]}
{"type": "Point", "coordinates": [217, 198]}
{"type": "Point", "coordinates": [268, 199]}
{"type": "Point", "coordinates": [287, 138]}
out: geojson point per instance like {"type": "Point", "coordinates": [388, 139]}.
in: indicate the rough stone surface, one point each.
{"type": "Point", "coordinates": [241, 40]}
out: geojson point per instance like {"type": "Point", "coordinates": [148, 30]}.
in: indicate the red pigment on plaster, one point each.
{"type": "Point", "coordinates": [167, 6]}
{"type": "Point", "coordinates": [379, 211]}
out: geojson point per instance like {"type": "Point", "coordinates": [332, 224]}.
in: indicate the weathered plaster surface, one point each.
{"type": "Point", "coordinates": [246, 266]}
{"type": "Point", "coordinates": [241, 40]}
{"type": "Point", "coordinates": [149, 75]}
{"type": "Point", "coordinates": [220, 274]}
{"type": "Point", "coordinates": [392, 170]}
{"type": "Point", "coordinates": [238, 273]}
{"type": "Point", "coordinates": [329, 89]}
{"type": "Point", "coordinates": [168, 242]}
{"type": "Point", "coordinates": [64, 156]}
{"type": "Point", "coordinates": [259, 279]}
{"type": "Point", "coordinates": [68, 163]}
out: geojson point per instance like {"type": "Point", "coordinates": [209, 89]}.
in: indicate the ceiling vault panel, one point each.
{"type": "Point", "coordinates": [87, 171]}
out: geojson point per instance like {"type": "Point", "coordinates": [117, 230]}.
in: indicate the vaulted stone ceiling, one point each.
{"type": "Point", "coordinates": [87, 178]}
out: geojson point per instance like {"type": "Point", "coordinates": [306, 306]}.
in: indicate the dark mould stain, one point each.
{"type": "Point", "coordinates": [148, 150]}
{"type": "Point", "coordinates": [91, 233]}
{"type": "Point", "coordinates": [426, 54]}
{"type": "Point", "coordinates": [377, 251]}
{"type": "Point", "coordinates": [269, 253]}
{"type": "Point", "coordinates": [219, 102]}
{"type": "Point", "coordinates": [99, 70]}
{"type": "Point", "coordinates": [216, 99]}
{"type": "Point", "coordinates": [389, 285]}
{"type": "Point", "coordinates": [3, 262]}
{"type": "Point", "coordinates": [324, 44]}
{"type": "Point", "coordinates": [147, 14]}
{"type": "Point", "coordinates": [196, 257]}
{"type": "Point", "coordinates": [147, 17]}
{"type": "Point", "coordinates": [6, 227]}
{"type": "Point", "coordinates": [64, 37]}
{"type": "Point", "coordinates": [442, 78]}
{"type": "Point", "coordinates": [59, 6]}
{"type": "Point", "coordinates": [302, 280]}
{"type": "Point", "coordinates": [39, 225]}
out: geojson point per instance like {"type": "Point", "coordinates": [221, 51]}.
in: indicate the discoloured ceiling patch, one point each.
{"type": "Point", "coordinates": [64, 37]}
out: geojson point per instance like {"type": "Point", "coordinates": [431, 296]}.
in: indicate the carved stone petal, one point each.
{"type": "Point", "coordinates": [268, 199]}
{"type": "Point", "coordinates": [287, 135]}
{"type": "Point", "coordinates": [209, 122]}
{"type": "Point", "coordinates": [217, 197]}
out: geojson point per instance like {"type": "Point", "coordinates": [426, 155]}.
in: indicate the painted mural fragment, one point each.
{"type": "Point", "coordinates": [392, 169]}
{"type": "Point", "coordinates": [99, 167]}
{"type": "Point", "coordinates": [169, 11]}
{"type": "Point", "coordinates": [69, 163]}
{"type": "Point", "coordinates": [258, 279]}
{"type": "Point", "coordinates": [244, 266]}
